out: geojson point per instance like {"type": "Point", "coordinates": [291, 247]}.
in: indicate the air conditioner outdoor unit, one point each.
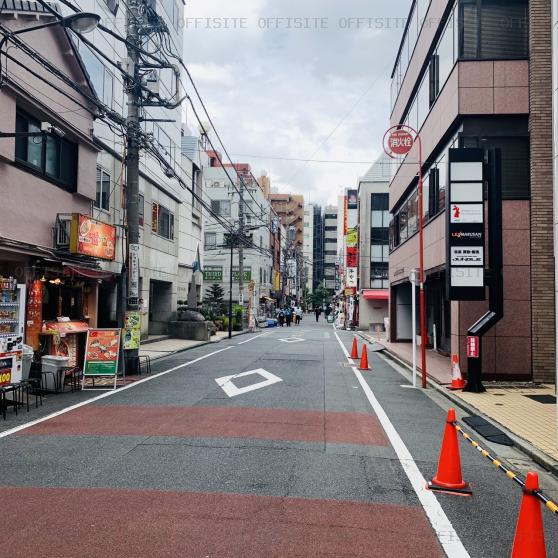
{"type": "Point", "coordinates": [62, 231]}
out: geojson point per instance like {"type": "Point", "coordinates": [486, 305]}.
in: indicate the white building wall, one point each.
{"type": "Point", "coordinates": [258, 259]}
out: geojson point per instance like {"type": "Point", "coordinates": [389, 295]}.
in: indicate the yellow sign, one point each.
{"type": "Point", "coordinates": [276, 281]}
{"type": "Point", "coordinates": [352, 238]}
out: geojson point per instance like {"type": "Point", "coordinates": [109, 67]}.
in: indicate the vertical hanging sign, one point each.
{"type": "Point", "coordinates": [466, 225]}
{"type": "Point", "coordinates": [134, 275]}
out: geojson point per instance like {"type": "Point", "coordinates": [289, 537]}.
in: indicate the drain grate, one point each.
{"type": "Point", "coordinates": [545, 399]}
{"type": "Point", "coordinates": [487, 430]}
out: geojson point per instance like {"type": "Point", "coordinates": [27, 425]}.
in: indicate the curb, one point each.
{"type": "Point", "coordinates": [204, 344]}
{"type": "Point", "coordinates": [539, 457]}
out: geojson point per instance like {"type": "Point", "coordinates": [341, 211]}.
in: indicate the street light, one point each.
{"type": "Point", "coordinates": [82, 22]}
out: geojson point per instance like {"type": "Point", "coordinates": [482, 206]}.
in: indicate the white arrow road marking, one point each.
{"type": "Point", "coordinates": [227, 385]}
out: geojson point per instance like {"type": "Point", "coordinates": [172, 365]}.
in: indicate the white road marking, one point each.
{"type": "Point", "coordinates": [292, 340]}
{"type": "Point", "coordinates": [445, 532]}
{"type": "Point", "coordinates": [232, 391]}
{"type": "Point", "coordinates": [107, 394]}
{"type": "Point", "coordinates": [255, 337]}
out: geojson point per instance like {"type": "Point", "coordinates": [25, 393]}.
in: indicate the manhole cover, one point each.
{"type": "Point", "coordinates": [546, 399]}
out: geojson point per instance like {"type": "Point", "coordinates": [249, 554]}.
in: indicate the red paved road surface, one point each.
{"type": "Point", "coordinates": [92, 523]}
{"type": "Point", "coordinates": [222, 422]}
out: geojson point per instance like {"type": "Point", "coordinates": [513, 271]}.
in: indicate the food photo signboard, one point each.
{"type": "Point", "coordinates": [90, 237]}
{"type": "Point", "coordinates": [101, 352]}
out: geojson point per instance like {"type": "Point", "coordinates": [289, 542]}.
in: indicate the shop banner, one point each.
{"type": "Point", "coordinates": [352, 277]}
{"type": "Point", "coordinates": [90, 237]}
{"type": "Point", "coordinates": [101, 352]}
{"type": "Point", "coordinates": [131, 334]}
{"type": "Point", "coordinates": [134, 272]}
{"type": "Point", "coordinates": [247, 274]}
{"type": "Point", "coordinates": [352, 199]}
{"type": "Point", "coordinates": [34, 313]}
{"type": "Point", "coordinates": [352, 257]}
{"type": "Point", "coordinates": [213, 274]}
{"type": "Point", "coordinates": [352, 238]}
{"type": "Point", "coordinates": [276, 281]}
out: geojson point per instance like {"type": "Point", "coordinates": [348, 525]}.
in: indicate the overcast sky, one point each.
{"type": "Point", "coordinates": [275, 90]}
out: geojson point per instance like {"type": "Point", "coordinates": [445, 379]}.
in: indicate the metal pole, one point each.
{"type": "Point", "coordinates": [414, 318]}
{"type": "Point", "coordinates": [132, 141]}
{"type": "Point", "coordinates": [231, 287]}
{"type": "Point", "coordinates": [421, 271]}
{"type": "Point", "coordinates": [241, 244]}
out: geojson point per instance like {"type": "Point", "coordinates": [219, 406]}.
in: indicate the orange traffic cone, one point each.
{"type": "Point", "coordinates": [457, 381]}
{"type": "Point", "coordinates": [364, 359]}
{"type": "Point", "coordinates": [529, 534]}
{"type": "Point", "coordinates": [354, 351]}
{"type": "Point", "coordinates": [448, 477]}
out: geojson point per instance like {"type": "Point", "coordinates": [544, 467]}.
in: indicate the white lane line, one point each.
{"type": "Point", "coordinates": [255, 337]}
{"type": "Point", "coordinates": [107, 394]}
{"type": "Point", "coordinates": [445, 532]}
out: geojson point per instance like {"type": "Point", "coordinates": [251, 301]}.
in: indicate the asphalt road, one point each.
{"type": "Point", "coordinates": [317, 460]}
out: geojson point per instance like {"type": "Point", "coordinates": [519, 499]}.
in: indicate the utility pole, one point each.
{"type": "Point", "coordinates": [241, 243]}
{"type": "Point", "coordinates": [131, 267]}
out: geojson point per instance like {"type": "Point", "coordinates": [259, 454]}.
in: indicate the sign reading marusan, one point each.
{"type": "Point", "coordinates": [466, 226]}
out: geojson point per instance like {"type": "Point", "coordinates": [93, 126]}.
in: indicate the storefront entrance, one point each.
{"type": "Point", "coordinates": [160, 307]}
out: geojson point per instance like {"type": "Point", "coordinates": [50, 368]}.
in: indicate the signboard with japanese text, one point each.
{"type": "Point", "coordinates": [466, 226]}
{"type": "Point", "coordinates": [89, 237]}
{"type": "Point", "coordinates": [134, 272]}
{"type": "Point", "coordinates": [399, 142]}
{"type": "Point", "coordinates": [247, 274]}
{"type": "Point", "coordinates": [352, 199]}
{"type": "Point", "coordinates": [213, 274]}
{"type": "Point", "coordinates": [131, 334]}
{"type": "Point", "coordinates": [352, 277]}
{"type": "Point", "coordinates": [352, 257]}
{"type": "Point", "coordinates": [472, 347]}
{"type": "Point", "coordinates": [101, 352]}
{"type": "Point", "coordinates": [352, 238]}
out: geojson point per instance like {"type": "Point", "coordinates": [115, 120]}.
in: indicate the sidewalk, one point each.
{"type": "Point", "coordinates": [165, 347]}
{"type": "Point", "coordinates": [532, 422]}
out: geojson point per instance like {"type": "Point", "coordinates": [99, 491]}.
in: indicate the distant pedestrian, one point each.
{"type": "Point", "coordinates": [318, 311]}
{"type": "Point", "coordinates": [288, 316]}
{"type": "Point", "coordinates": [281, 318]}
{"type": "Point", "coordinates": [298, 315]}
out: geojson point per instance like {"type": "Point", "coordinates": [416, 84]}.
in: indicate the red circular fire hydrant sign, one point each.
{"type": "Point", "coordinates": [399, 142]}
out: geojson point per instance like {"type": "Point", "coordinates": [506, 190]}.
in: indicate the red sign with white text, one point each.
{"type": "Point", "coordinates": [400, 142]}
{"type": "Point", "coordinates": [472, 347]}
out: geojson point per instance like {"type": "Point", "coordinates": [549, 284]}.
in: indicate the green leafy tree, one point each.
{"type": "Point", "coordinates": [320, 295]}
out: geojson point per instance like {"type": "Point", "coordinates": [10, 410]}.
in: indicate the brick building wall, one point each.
{"type": "Point", "coordinates": [542, 247]}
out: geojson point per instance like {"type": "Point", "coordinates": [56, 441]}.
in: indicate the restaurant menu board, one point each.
{"type": "Point", "coordinates": [131, 333]}
{"type": "Point", "coordinates": [101, 352]}
{"type": "Point", "coordinates": [466, 225]}
{"type": "Point", "coordinates": [34, 313]}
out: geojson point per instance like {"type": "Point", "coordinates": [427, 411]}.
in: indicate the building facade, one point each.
{"type": "Point", "coordinates": [308, 247]}
{"type": "Point", "coordinates": [318, 250]}
{"type": "Point", "coordinates": [223, 198]}
{"type": "Point", "coordinates": [330, 267]}
{"type": "Point", "coordinates": [555, 146]}
{"type": "Point", "coordinates": [373, 238]}
{"type": "Point", "coordinates": [477, 75]}
{"type": "Point", "coordinates": [161, 196]}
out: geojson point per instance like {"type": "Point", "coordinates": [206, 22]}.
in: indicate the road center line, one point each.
{"type": "Point", "coordinates": [106, 394]}
{"type": "Point", "coordinates": [255, 337]}
{"type": "Point", "coordinates": [445, 532]}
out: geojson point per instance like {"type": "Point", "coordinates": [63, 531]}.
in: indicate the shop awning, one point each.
{"type": "Point", "coordinates": [370, 294]}
{"type": "Point", "coordinates": [90, 273]}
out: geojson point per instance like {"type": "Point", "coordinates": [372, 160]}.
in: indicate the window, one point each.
{"type": "Point", "coordinates": [102, 198]}
{"type": "Point", "coordinates": [221, 207]}
{"type": "Point", "coordinates": [162, 222]}
{"type": "Point", "coordinates": [433, 192]}
{"type": "Point", "coordinates": [53, 157]}
{"type": "Point", "coordinates": [141, 210]}
{"type": "Point", "coordinates": [101, 78]}
{"type": "Point", "coordinates": [210, 240]}
{"type": "Point", "coordinates": [197, 191]}
{"type": "Point", "coordinates": [330, 228]}
{"type": "Point", "coordinates": [494, 29]}
{"type": "Point", "coordinates": [379, 275]}
{"type": "Point", "coordinates": [330, 240]}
